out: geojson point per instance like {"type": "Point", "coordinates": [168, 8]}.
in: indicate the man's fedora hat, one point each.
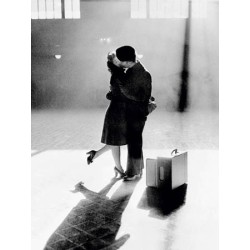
{"type": "Point", "coordinates": [127, 53]}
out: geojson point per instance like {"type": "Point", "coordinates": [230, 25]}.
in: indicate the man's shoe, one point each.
{"type": "Point", "coordinates": [131, 178]}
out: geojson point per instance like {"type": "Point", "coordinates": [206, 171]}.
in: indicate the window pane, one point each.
{"type": "Point", "coordinates": [184, 9]}
{"type": "Point", "coordinates": [34, 9]}
{"type": "Point", "coordinates": [159, 8]}
{"type": "Point", "coordinates": [68, 9]}
{"type": "Point", "coordinates": [181, 9]}
{"type": "Point", "coordinates": [199, 8]}
{"type": "Point", "coordinates": [76, 8]}
{"type": "Point", "coordinates": [168, 8]}
{"type": "Point", "coordinates": [50, 9]}
{"type": "Point", "coordinates": [42, 9]}
{"type": "Point", "coordinates": [57, 9]}
{"type": "Point", "coordinates": [138, 9]}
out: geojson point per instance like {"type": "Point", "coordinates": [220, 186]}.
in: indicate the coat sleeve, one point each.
{"type": "Point", "coordinates": [137, 88]}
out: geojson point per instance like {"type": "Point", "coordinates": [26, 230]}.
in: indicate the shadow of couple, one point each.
{"type": "Point", "coordinates": [95, 221]}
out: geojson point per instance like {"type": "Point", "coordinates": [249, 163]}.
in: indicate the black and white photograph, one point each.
{"type": "Point", "coordinates": [125, 124]}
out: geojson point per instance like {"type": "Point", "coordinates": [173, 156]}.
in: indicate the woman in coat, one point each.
{"type": "Point", "coordinates": [114, 132]}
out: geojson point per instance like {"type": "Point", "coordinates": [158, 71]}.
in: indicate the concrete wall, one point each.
{"type": "Point", "coordinates": [80, 78]}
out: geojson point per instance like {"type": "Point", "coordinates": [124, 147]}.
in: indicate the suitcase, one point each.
{"type": "Point", "coordinates": [167, 172]}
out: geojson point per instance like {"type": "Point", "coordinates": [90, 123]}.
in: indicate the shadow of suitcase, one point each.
{"type": "Point", "coordinates": [167, 172]}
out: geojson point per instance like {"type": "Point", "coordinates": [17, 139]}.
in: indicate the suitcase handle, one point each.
{"type": "Point", "coordinates": [175, 151]}
{"type": "Point", "coordinates": [161, 176]}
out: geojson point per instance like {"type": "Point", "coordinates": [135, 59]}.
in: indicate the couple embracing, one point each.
{"type": "Point", "coordinates": [130, 93]}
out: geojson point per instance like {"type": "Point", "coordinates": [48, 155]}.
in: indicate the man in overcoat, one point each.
{"type": "Point", "coordinates": [136, 86]}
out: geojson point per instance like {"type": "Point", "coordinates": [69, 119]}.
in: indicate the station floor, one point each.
{"type": "Point", "coordinates": [80, 206]}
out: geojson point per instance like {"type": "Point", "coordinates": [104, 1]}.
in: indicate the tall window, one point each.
{"type": "Point", "coordinates": [199, 8]}
{"type": "Point", "coordinates": [138, 8]}
{"type": "Point", "coordinates": [167, 8]}
{"type": "Point", "coordinates": [54, 9]}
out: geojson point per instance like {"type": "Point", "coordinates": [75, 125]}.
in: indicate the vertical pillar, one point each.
{"type": "Point", "coordinates": [184, 86]}
{"type": "Point", "coordinates": [63, 9]}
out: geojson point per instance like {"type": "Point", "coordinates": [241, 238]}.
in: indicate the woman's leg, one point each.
{"type": "Point", "coordinates": [101, 151]}
{"type": "Point", "coordinates": [116, 152]}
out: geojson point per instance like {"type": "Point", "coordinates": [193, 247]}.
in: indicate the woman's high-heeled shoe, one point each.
{"type": "Point", "coordinates": [118, 171]}
{"type": "Point", "coordinates": [91, 156]}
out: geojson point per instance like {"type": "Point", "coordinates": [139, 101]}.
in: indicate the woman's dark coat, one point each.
{"type": "Point", "coordinates": [115, 126]}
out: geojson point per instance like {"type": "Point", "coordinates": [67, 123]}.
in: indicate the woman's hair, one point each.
{"type": "Point", "coordinates": [111, 56]}
{"type": "Point", "coordinates": [111, 67]}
